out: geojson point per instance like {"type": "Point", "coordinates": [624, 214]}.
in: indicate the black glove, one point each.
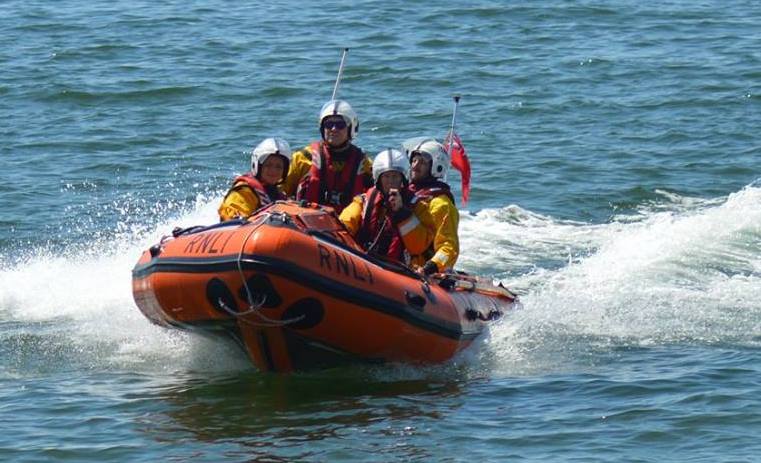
{"type": "Point", "coordinates": [430, 268]}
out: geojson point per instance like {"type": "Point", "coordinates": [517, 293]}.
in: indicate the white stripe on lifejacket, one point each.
{"type": "Point", "coordinates": [409, 225]}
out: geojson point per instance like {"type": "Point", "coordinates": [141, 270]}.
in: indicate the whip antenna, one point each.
{"type": "Point", "coordinates": [340, 73]}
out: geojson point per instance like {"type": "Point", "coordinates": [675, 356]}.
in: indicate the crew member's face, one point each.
{"type": "Point", "coordinates": [335, 131]}
{"type": "Point", "coordinates": [420, 167]}
{"type": "Point", "coordinates": [389, 180]}
{"type": "Point", "coordinates": [272, 170]}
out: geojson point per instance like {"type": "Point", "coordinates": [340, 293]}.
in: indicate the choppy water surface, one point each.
{"type": "Point", "coordinates": [615, 162]}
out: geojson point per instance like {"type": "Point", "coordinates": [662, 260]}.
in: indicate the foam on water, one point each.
{"type": "Point", "coordinates": [76, 305]}
{"type": "Point", "coordinates": [680, 271]}
{"type": "Point", "coordinates": [689, 273]}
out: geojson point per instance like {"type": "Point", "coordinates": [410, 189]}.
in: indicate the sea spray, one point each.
{"type": "Point", "coordinates": [684, 274]}
{"type": "Point", "coordinates": [72, 306]}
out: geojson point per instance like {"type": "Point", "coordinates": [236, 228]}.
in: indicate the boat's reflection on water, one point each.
{"type": "Point", "coordinates": [309, 415]}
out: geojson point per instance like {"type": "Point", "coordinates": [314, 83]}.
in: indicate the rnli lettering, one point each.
{"type": "Point", "coordinates": [344, 264]}
{"type": "Point", "coordinates": [207, 243]}
{"type": "Point", "coordinates": [324, 257]}
{"type": "Point", "coordinates": [358, 276]}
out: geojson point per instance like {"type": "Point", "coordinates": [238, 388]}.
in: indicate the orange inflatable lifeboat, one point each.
{"type": "Point", "coordinates": [296, 291]}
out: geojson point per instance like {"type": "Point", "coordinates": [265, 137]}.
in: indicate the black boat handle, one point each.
{"type": "Point", "coordinates": [415, 300]}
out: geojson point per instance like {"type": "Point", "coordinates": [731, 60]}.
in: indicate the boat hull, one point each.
{"type": "Point", "coordinates": [297, 293]}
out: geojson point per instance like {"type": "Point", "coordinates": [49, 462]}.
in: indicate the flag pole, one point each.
{"type": "Point", "coordinates": [456, 99]}
{"type": "Point", "coordinates": [458, 157]}
{"type": "Point", "coordinates": [340, 73]}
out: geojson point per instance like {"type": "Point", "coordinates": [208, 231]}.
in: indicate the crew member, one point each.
{"type": "Point", "coordinates": [382, 219]}
{"type": "Point", "coordinates": [258, 187]}
{"type": "Point", "coordinates": [334, 170]}
{"type": "Point", "coordinates": [429, 162]}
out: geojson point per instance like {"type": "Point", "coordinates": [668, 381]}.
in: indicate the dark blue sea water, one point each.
{"type": "Point", "coordinates": [615, 150]}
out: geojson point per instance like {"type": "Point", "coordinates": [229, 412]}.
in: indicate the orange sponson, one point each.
{"type": "Point", "coordinates": [296, 291]}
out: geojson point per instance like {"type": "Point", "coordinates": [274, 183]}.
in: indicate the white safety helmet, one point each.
{"type": "Point", "coordinates": [388, 160]}
{"type": "Point", "coordinates": [343, 109]}
{"type": "Point", "coordinates": [435, 152]}
{"type": "Point", "coordinates": [268, 147]}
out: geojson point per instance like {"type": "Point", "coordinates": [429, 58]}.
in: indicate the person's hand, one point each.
{"type": "Point", "coordinates": [394, 199]}
{"type": "Point", "coordinates": [429, 268]}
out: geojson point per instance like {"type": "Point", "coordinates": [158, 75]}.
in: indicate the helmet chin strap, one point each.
{"type": "Point", "coordinates": [339, 149]}
{"type": "Point", "coordinates": [426, 179]}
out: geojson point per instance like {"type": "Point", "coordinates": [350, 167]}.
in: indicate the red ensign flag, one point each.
{"type": "Point", "coordinates": [460, 162]}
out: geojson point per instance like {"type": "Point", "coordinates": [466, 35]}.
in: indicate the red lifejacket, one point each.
{"type": "Point", "coordinates": [323, 185]}
{"type": "Point", "coordinates": [376, 232]}
{"type": "Point", "coordinates": [428, 189]}
{"type": "Point", "coordinates": [266, 195]}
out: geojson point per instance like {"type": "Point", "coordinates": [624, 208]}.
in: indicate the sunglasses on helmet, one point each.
{"type": "Point", "coordinates": [337, 123]}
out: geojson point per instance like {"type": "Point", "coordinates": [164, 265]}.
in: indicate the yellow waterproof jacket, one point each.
{"type": "Point", "coordinates": [246, 196]}
{"type": "Point", "coordinates": [414, 225]}
{"type": "Point", "coordinates": [240, 201]}
{"type": "Point", "coordinates": [301, 162]}
{"type": "Point", "coordinates": [444, 219]}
